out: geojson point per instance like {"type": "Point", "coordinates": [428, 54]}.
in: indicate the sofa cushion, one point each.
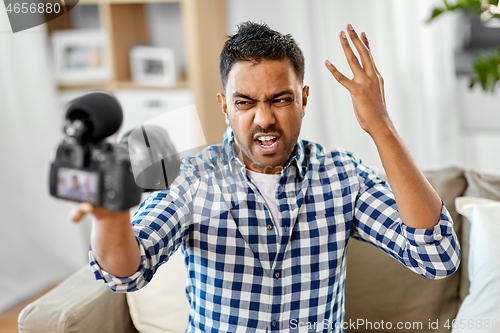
{"type": "Point", "coordinates": [162, 306]}
{"type": "Point", "coordinates": [480, 311]}
{"type": "Point", "coordinates": [380, 288]}
{"type": "Point", "coordinates": [479, 186]}
{"type": "Point", "coordinates": [482, 186]}
{"type": "Point", "coordinates": [78, 304]}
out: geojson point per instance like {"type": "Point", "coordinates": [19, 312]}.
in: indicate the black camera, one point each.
{"type": "Point", "coordinates": [87, 168]}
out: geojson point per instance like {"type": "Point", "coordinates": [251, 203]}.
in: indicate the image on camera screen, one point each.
{"type": "Point", "coordinates": [78, 185]}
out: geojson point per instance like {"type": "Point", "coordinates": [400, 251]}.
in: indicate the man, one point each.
{"type": "Point", "coordinates": [76, 191]}
{"type": "Point", "coordinates": [263, 219]}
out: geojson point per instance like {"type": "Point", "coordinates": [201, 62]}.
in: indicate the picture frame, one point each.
{"type": "Point", "coordinates": [80, 56]}
{"type": "Point", "coordinates": [152, 66]}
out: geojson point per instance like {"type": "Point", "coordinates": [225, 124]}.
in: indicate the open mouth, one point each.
{"type": "Point", "coordinates": [267, 141]}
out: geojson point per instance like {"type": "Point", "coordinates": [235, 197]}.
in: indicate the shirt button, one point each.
{"type": "Point", "coordinates": [277, 275]}
{"type": "Point", "coordinates": [269, 227]}
{"type": "Point", "coordinates": [275, 323]}
{"type": "Point", "coordinates": [438, 237]}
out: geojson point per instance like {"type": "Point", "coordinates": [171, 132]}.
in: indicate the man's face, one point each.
{"type": "Point", "coordinates": [264, 105]}
{"type": "Point", "coordinates": [76, 184]}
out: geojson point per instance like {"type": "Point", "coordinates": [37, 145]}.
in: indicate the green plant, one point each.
{"type": "Point", "coordinates": [487, 9]}
{"type": "Point", "coordinates": [486, 65]}
{"type": "Point", "coordinates": [486, 70]}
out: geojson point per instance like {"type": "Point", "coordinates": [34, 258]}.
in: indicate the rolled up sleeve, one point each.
{"type": "Point", "coordinates": [436, 251]}
{"type": "Point", "coordinates": [160, 225]}
{"type": "Point", "coordinates": [433, 253]}
{"type": "Point", "coordinates": [120, 284]}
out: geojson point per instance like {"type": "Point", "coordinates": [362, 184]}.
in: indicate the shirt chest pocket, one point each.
{"type": "Point", "coordinates": [319, 247]}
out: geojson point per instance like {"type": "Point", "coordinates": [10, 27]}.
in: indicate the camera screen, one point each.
{"type": "Point", "coordinates": [78, 185]}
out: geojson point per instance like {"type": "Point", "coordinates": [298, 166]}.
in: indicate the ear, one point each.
{"type": "Point", "coordinates": [221, 99]}
{"type": "Point", "coordinates": [305, 95]}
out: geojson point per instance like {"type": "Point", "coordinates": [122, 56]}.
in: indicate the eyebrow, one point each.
{"type": "Point", "coordinates": [284, 92]}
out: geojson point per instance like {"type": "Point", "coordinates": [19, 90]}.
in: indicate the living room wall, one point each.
{"type": "Point", "coordinates": [39, 244]}
{"type": "Point", "coordinates": [480, 127]}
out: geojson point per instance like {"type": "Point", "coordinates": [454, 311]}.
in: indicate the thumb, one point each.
{"type": "Point", "coordinates": [79, 212]}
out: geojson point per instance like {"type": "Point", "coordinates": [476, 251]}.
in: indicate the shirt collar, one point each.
{"type": "Point", "coordinates": [297, 159]}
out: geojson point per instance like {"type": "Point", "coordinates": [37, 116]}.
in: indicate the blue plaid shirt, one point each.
{"type": "Point", "coordinates": [242, 277]}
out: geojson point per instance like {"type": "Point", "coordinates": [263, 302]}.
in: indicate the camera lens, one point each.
{"type": "Point", "coordinates": [75, 128]}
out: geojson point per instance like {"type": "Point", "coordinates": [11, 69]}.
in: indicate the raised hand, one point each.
{"type": "Point", "coordinates": [367, 85]}
{"type": "Point", "coordinates": [411, 189]}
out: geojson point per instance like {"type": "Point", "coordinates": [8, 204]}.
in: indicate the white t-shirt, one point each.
{"type": "Point", "coordinates": [266, 183]}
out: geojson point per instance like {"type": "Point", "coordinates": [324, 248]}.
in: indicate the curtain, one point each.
{"type": "Point", "coordinates": [416, 60]}
{"type": "Point", "coordinates": [39, 245]}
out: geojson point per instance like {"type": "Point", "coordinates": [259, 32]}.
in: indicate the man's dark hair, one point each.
{"type": "Point", "coordinates": [258, 42]}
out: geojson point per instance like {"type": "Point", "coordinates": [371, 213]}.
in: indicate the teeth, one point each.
{"type": "Point", "coordinates": [274, 144]}
{"type": "Point", "coordinates": [266, 138]}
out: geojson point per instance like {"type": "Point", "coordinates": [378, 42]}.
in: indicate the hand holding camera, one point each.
{"type": "Point", "coordinates": [109, 178]}
{"type": "Point", "coordinates": [87, 168]}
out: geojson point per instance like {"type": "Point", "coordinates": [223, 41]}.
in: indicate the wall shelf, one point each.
{"type": "Point", "coordinates": [125, 23]}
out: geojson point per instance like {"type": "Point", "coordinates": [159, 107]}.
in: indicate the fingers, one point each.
{"type": "Point", "coordinates": [79, 212]}
{"type": "Point", "coordinates": [365, 40]}
{"type": "Point", "coordinates": [364, 72]}
{"type": "Point", "coordinates": [381, 80]}
{"type": "Point", "coordinates": [338, 76]}
{"type": "Point", "coordinates": [367, 44]}
{"type": "Point", "coordinates": [352, 60]}
{"type": "Point", "coordinates": [363, 50]}
{"type": "Point", "coordinates": [76, 215]}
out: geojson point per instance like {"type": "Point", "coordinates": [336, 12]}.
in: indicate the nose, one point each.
{"type": "Point", "coordinates": [264, 115]}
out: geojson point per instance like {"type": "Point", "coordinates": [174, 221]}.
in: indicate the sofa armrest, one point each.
{"type": "Point", "coordinates": [78, 304]}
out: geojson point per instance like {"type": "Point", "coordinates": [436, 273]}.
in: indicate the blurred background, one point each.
{"type": "Point", "coordinates": [157, 56]}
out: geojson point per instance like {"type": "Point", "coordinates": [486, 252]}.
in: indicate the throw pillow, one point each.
{"type": "Point", "coordinates": [480, 186]}
{"type": "Point", "coordinates": [480, 311]}
{"type": "Point", "coordinates": [162, 306]}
